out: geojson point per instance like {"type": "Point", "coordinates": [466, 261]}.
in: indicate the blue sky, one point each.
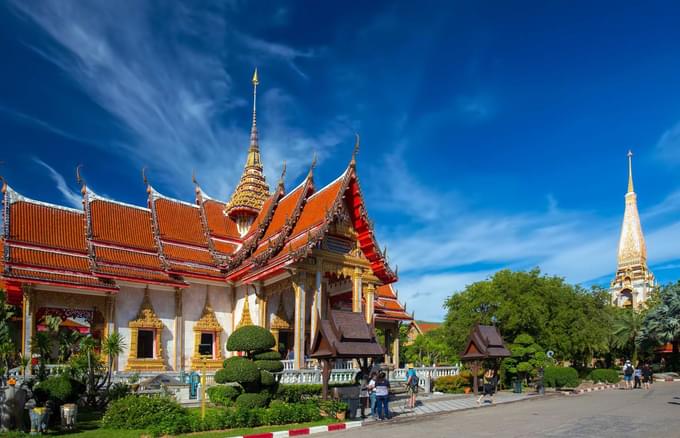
{"type": "Point", "coordinates": [493, 134]}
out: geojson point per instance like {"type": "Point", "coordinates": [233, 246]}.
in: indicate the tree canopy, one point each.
{"type": "Point", "coordinates": [569, 320]}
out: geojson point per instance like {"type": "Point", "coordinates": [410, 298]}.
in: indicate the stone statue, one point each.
{"type": "Point", "coordinates": [12, 401]}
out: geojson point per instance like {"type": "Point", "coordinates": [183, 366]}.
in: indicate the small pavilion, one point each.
{"type": "Point", "coordinates": [484, 343]}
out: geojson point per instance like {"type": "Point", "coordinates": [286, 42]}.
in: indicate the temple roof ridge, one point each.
{"type": "Point", "coordinates": [155, 194]}
{"type": "Point", "coordinates": [92, 196]}
{"type": "Point", "coordinates": [14, 196]}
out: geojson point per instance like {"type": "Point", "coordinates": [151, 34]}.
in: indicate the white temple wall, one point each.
{"type": "Point", "coordinates": [193, 301]}
{"type": "Point", "coordinates": [128, 300]}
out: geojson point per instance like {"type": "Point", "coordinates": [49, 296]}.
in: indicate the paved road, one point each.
{"type": "Point", "coordinates": [612, 413]}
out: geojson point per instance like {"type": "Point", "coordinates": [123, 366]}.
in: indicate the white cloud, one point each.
{"type": "Point", "coordinates": [170, 92]}
{"type": "Point", "coordinates": [668, 145]}
{"type": "Point", "coordinates": [72, 197]}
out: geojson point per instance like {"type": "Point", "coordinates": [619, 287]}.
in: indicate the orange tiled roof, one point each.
{"type": "Point", "coordinates": [62, 278]}
{"type": "Point", "coordinates": [136, 274]}
{"type": "Point", "coordinates": [122, 225]}
{"type": "Point", "coordinates": [179, 222]}
{"type": "Point", "coordinates": [428, 326]}
{"type": "Point", "coordinates": [188, 254]}
{"type": "Point", "coordinates": [224, 247]}
{"type": "Point", "coordinates": [284, 211]}
{"type": "Point", "coordinates": [316, 207]}
{"type": "Point", "coordinates": [49, 259]}
{"type": "Point", "coordinates": [387, 306]}
{"type": "Point", "coordinates": [126, 257]}
{"type": "Point", "coordinates": [43, 225]}
{"type": "Point", "coordinates": [219, 224]}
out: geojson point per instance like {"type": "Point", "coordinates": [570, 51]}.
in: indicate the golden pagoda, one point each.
{"type": "Point", "coordinates": [252, 190]}
{"type": "Point", "coordinates": [633, 281]}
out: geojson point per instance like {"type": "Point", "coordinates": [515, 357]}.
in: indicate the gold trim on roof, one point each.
{"type": "Point", "coordinates": [208, 321]}
{"type": "Point", "coordinates": [146, 317]}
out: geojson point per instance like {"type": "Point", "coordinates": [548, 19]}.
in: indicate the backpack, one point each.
{"type": "Point", "coordinates": [628, 371]}
{"type": "Point", "coordinates": [413, 381]}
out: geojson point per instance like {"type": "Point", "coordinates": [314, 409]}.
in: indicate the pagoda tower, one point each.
{"type": "Point", "coordinates": [634, 281]}
{"type": "Point", "coordinates": [252, 190]}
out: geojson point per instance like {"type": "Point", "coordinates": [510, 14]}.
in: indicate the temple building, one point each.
{"type": "Point", "coordinates": [634, 281]}
{"type": "Point", "coordinates": [176, 278]}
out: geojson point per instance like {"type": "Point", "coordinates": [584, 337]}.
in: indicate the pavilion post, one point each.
{"type": "Point", "coordinates": [475, 371]}
{"type": "Point", "coordinates": [326, 367]}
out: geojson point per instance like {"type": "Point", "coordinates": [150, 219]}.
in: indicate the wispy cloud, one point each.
{"type": "Point", "coordinates": [72, 197]}
{"type": "Point", "coordinates": [477, 108]}
{"type": "Point", "coordinates": [668, 145]}
{"type": "Point", "coordinates": [282, 52]}
{"type": "Point", "coordinates": [168, 88]}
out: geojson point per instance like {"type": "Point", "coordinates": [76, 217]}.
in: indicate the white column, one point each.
{"type": "Point", "coordinates": [356, 290]}
{"type": "Point", "coordinates": [178, 354]}
{"type": "Point", "coordinates": [299, 344]}
{"type": "Point", "coordinates": [27, 325]}
{"type": "Point", "coordinates": [316, 303]}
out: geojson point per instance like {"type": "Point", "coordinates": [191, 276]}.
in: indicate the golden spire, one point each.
{"type": "Point", "coordinates": [252, 190]}
{"type": "Point", "coordinates": [630, 172]}
{"type": "Point", "coordinates": [632, 247]}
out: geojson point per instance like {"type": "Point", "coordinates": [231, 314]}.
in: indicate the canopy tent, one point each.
{"type": "Point", "coordinates": [484, 342]}
{"type": "Point", "coordinates": [344, 335]}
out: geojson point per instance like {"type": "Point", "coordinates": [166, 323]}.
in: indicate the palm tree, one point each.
{"type": "Point", "coordinates": [87, 346]}
{"type": "Point", "coordinates": [41, 344]}
{"type": "Point", "coordinates": [662, 323]}
{"type": "Point", "coordinates": [68, 344]}
{"type": "Point", "coordinates": [626, 331]}
{"type": "Point", "coordinates": [112, 346]}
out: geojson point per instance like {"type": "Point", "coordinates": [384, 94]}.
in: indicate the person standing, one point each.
{"type": "Point", "coordinates": [628, 372]}
{"type": "Point", "coordinates": [411, 387]}
{"type": "Point", "coordinates": [371, 393]}
{"type": "Point", "coordinates": [638, 377]}
{"type": "Point", "coordinates": [364, 394]}
{"type": "Point", "coordinates": [646, 375]}
{"type": "Point", "coordinates": [489, 381]}
{"type": "Point", "coordinates": [382, 392]}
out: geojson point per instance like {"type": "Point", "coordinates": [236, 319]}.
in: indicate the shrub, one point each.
{"type": "Point", "coordinates": [59, 389]}
{"type": "Point", "coordinates": [223, 395]}
{"type": "Point", "coordinates": [118, 390]}
{"type": "Point", "coordinates": [238, 369]}
{"type": "Point", "coordinates": [251, 338]}
{"type": "Point", "coordinates": [160, 415]}
{"type": "Point", "coordinates": [604, 375]}
{"type": "Point", "coordinates": [267, 355]}
{"type": "Point", "coordinates": [273, 366]}
{"type": "Point", "coordinates": [267, 378]}
{"type": "Point", "coordinates": [252, 400]}
{"type": "Point", "coordinates": [450, 384]}
{"type": "Point", "coordinates": [332, 407]}
{"type": "Point", "coordinates": [297, 393]}
{"type": "Point", "coordinates": [559, 377]}
{"type": "Point", "coordinates": [283, 413]}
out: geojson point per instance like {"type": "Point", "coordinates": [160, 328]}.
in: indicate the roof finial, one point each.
{"type": "Point", "coordinates": [353, 162]}
{"type": "Point", "coordinates": [630, 171]}
{"type": "Point", "coordinates": [193, 177]}
{"type": "Point", "coordinates": [79, 178]}
{"type": "Point", "coordinates": [312, 166]}
{"type": "Point", "coordinates": [144, 178]}
{"type": "Point", "coordinates": [283, 173]}
{"type": "Point", "coordinates": [253, 130]}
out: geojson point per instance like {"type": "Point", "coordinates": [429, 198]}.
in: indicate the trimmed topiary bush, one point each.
{"type": "Point", "coordinates": [161, 415]}
{"type": "Point", "coordinates": [273, 366]}
{"type": "Point", "coordinates": [252, 400]}
{"type": "Point", "coordinates": [267, 378]}
{"type": "Point", "coordinates": [223, 395]}
{"type": "Point", "coordinates": [251, 339]}
{"type": "Point", "coordinates": [559, 377]}
{"type": "Point", "coordinates": [451, 384]}
{"type": "Point", "coordinates": [604, 376]}
{"type": "Point", "coordinates": [267, 355]}
{"type": "Point", "coordinates": [59, 389]}
{"type": "Point", "coordinates": [238, 369]}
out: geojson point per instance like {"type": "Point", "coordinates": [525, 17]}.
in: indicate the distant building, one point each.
{"type": "Point", "coordinates": [634, 281]}
{"type": "Point", "coordinates": [418, 328]}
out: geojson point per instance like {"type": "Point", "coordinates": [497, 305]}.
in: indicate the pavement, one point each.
{"type": "Point", "coordinates": [612, 413]}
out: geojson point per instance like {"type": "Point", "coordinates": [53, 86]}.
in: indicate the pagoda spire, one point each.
{"type": "Point", "coordinates": [252, 190]}
{"type": "Point", "coordinates": [632, 247]}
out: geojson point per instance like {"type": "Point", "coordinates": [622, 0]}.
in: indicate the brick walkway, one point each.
{"type": "Point", "coordinates": [447, 403]}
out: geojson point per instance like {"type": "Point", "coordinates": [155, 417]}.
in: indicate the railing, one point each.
{"type": "Point", "coordinates": [313, 364]}
{"type": "Point", "coordinates": [425, 375]}
{"type": "Point", "coordinates": [314, 376]}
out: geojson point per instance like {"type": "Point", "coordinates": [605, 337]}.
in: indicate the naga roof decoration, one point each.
{"type": "Point", "coordinates": [252, 190]}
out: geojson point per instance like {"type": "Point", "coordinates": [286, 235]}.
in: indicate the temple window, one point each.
{"type": "Point", "coordinates": [146, 353]}
{"type": "Point", "coordinates": [207, 332]}
{"type": "Point", "coordinates": [145, 344]}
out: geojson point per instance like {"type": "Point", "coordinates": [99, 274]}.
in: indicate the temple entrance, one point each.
{"type": "Point", "coordinates": [626, 299]}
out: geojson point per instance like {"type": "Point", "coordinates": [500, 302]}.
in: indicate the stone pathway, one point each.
{"type": "Point", "coordinates": [447, 403]}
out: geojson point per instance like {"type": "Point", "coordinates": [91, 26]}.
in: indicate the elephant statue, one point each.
{"type": "Point", "coordinates": [12, 401]}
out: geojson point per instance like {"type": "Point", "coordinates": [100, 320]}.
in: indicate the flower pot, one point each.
{"type": "Point", "coordinates": [323, 413]}
{"type": "Point", "coordinates": [39, 418]}
{"type": "Point", "coordinates": [341, 415]}
{"type": "Point", "coordinates": [69, 412]}
{"type": "Point", "coordinates": [467, 390]}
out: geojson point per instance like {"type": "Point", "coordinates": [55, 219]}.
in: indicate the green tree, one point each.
{"type": "Point", "coordinates": [112, 346]}
{"type": "Point", "coordinates": [7, 347]}
{"type": "Point", "coordinates": [571, 321]}
{"type": "Point", "coordinates": [41, 344]}
{"type": "Point", "coordinates": [626, 331]}
{"type": "Point", "coordinates": [527, 357]}
{"type": "Point", "coordinates": [662, 322]}
{"type": "Point", "coordinates": [430, 348]}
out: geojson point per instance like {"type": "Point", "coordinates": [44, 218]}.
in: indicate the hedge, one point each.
{"type": "Point", "coordinates": [294, 393]}
{"type": "Point", "coordinates": [251, 338]}
{"type": "Point", "coordinates": [252, 400]}
{"type": "Point", "coordinates": [273, 366]}
{"type": "Point", "coordinates": [159, 414]}
{"type": "Point", "coordinates": [267, 355]}
{"type": "Point", "coordinates": [238, 369]}
{"type": "Point", "coordinates": [223, 395]}
{"type": "Point", "coordinates": [267, 378]}
{"type": "Point", "coordinates": [451, 384]}
{"type": "Point", "coordinates": [278, 413]}
{"type": "Point", "coordinates": [558, 377]}
{"type": "Point", "coordinates": [604, 375]}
